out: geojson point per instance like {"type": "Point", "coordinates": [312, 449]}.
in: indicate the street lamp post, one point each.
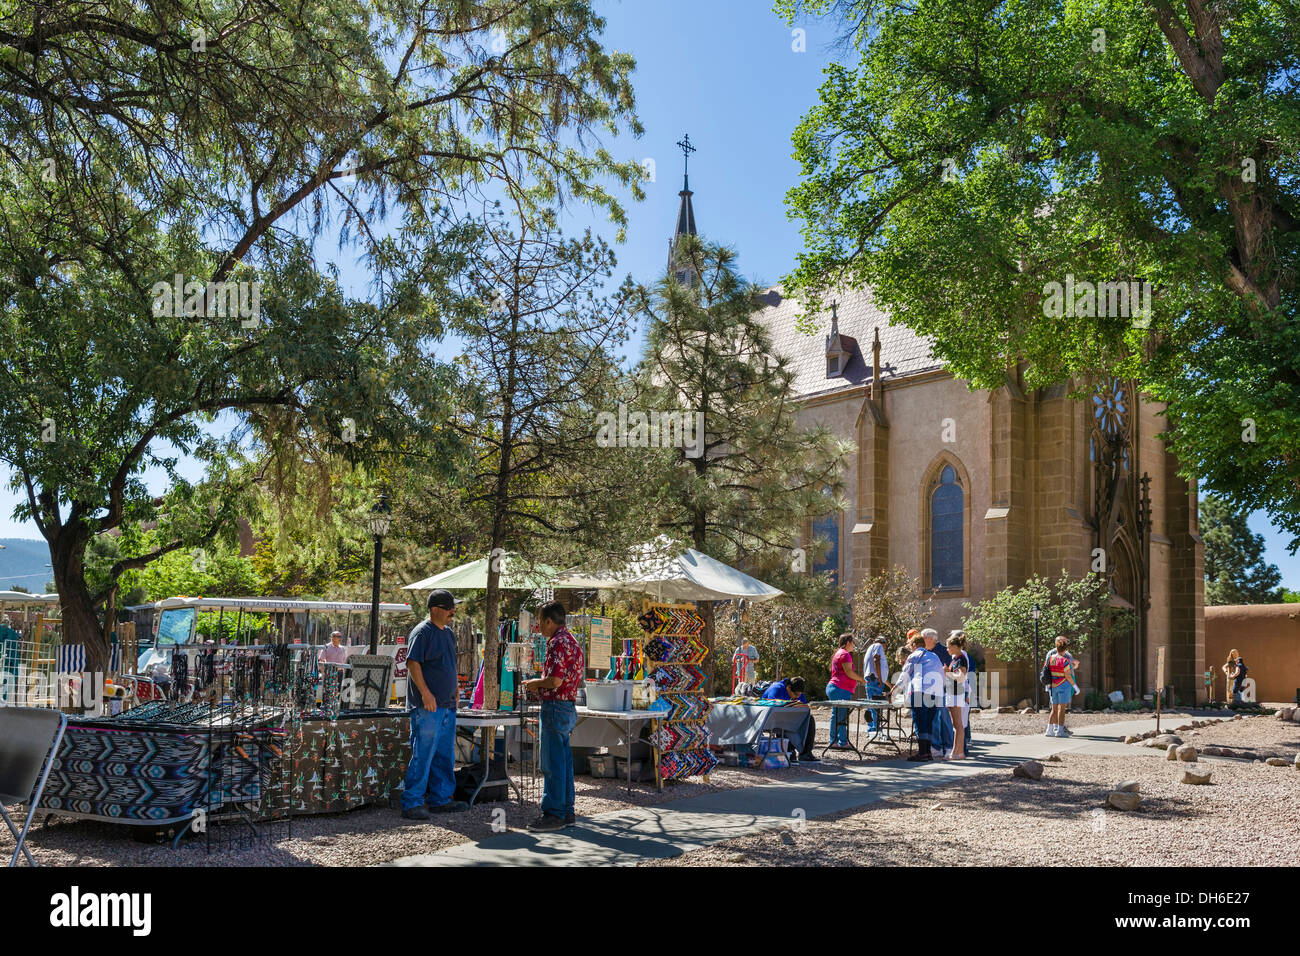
{"type": "Point", "coordinates": [377, 523]}
{"type": "Point", "coordinates": [1036, 613]}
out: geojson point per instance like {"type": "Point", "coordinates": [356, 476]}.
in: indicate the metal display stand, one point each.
{"type": "Point", "coordinates": [889, 723]}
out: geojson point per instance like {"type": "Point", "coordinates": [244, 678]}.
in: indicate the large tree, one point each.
{"type": "Point", "coordinates": [539, 365]}
{"type": "Point", "coordinates": [746, 476]}
{"type": "Point", "coordinates": [1236, 571]}
{"type": "Point", "coordinates": [977, 151]}
{"type": "Point", "coordinates": [179, 137]}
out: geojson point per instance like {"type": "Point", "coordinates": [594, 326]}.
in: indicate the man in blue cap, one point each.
{"type": "Point", "coordinates": [431, 691]}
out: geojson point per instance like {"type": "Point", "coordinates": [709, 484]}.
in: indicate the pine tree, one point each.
{"type": "Point", "coordinates": [743, 489]}
{"type": "Point", "coordinates": [1235, 569]}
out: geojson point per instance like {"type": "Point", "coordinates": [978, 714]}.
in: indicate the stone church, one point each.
{"type": "Point", "coordinates": [975, 491]}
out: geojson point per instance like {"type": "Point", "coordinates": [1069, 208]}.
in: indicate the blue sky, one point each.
{"type": "Point", "coordinates": [725, 71]}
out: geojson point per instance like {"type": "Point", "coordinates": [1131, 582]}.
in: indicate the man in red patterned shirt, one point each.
{"type": "Point", "coordinates": [557, 687]}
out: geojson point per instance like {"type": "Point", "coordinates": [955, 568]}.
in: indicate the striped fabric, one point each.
{"type": "Point", "coordinates": [70, 658]}
{"type": "Point", "coordinates": [115, 659]}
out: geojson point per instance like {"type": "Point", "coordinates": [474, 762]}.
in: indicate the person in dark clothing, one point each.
{"type": "Point", "coordinates": [791, 688]}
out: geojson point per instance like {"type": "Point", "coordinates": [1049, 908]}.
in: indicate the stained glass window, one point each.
{"type": "Point", "coordinates": [947, 555]}
{"type": "Point", "coordinates": [828, 529]}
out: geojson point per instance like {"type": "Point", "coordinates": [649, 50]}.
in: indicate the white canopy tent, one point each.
{"type": "Point", "coordinates": [658, 568]}
{"type": "Point", "coordinates": [22, 597]}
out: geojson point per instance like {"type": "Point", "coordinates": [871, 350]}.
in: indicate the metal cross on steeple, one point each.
{"type": "Point", "coordinates": [684, 144]}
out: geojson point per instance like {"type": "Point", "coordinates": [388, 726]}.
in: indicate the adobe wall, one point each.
{"type": "Point", "coordinates": [1268, 637]}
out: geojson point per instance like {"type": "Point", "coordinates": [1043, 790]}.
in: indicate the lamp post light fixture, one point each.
{"type": "Point", "coordinates": [377, 521]}
{"type": "Point", "coordinates": [1036, 613]}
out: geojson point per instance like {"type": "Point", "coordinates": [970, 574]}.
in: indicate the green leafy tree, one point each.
{"type": "Point", "coordinates": [1236, 571]}
{"type": "Point", "coordinates": [889, 603]}
{"type": "Point", "coordinates": [193, 139]}
{"type": "Point", "coordinates": [973, 154]}
{"type": "Point", "coordinates": [790, 637]}
{"type": "Point", "coordinates": [743, 488]}
{"type": "Point", "coordinates": [539, 365]}
{"type": "Point", "coordinates": [1078, 609]}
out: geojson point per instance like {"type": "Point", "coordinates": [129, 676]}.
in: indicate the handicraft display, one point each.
{"type": "Point", "coordinates": [673, 656]}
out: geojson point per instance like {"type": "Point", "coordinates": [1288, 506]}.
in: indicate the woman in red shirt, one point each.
{"type": "Point", "coordinates": [844, 682]}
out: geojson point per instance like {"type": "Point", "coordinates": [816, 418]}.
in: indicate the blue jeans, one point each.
{"type": "Point", "coordinates": [925, 720]}
{"type": "Point", "coordinates": [839, 732]}
{"type": "Point", "coordinates": [431, 777]}
{"type": "Point", "coordinates": [875, 691]}
{"type": "Point", "coordinates": [945, 735]}
{"type": "Point", "coordinates": [559, 717]}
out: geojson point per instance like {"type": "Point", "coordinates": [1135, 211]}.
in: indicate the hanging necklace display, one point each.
{"type": "Point", "coordinates": [331, 690]}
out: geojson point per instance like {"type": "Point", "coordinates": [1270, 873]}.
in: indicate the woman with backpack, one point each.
{"type": "Point", "coordinates": [1058, 673]}
{"type": "Point", "coordinates": [1234, 670]}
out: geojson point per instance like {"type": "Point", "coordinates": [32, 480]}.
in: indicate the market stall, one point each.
{"type": "Point", "coordinates": [671, 655]}
{"type": "Point", "coordinates": [745, 722]}
{"type": "Point", "coordinates": [256, 732]}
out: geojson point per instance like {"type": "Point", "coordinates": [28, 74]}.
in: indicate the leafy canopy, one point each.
{"type": "Point", "coordinates": [975, 151]}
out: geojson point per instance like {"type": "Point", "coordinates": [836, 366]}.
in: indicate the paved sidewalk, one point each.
{"type": "Point", "coordinates": [627, 837]}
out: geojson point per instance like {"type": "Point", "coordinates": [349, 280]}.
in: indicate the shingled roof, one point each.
{"type": "Point", "coordinates": [902, 351]}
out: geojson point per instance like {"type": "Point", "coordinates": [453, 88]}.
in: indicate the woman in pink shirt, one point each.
{"type": "Point", "coordinates": [844, 682]}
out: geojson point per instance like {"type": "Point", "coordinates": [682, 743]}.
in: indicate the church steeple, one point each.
{"type": "Point", "coordinates": [685, 213]}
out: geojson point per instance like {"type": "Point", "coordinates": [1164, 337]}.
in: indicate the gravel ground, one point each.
{"type": "Point", "coordinates": [1256, 737]}
{"type": "Point", "coordinates": [362, 837]}
{"type": "Point", "coordinates": [375, 835]}
{"type": "Point", "coordinates": [1056, 821]}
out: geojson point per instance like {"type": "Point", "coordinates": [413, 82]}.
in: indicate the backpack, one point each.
{"type": "Point", "coordinates": [1045, 675]}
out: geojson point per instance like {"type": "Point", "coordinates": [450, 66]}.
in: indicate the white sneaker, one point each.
{"type": "Point", "coordinates": [1051, 731]}
{"type": "Point", "coordinates": [1064, 732]}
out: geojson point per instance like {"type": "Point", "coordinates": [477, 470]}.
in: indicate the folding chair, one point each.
{"type": "Point", "coordinates": [29, 741]}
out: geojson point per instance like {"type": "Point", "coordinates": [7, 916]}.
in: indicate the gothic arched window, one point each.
{"type": "Point", "coordinates": [947, 521]}
{"type": "Point", "coordinates": [828, 528]}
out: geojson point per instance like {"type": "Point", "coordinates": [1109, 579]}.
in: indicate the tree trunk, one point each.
{"type": "Point", "coordinates": [491, 667]}
{"type": "Point", "coordinates": [705, 607]}
{"type": "Point", "coordinates": [81, 624]}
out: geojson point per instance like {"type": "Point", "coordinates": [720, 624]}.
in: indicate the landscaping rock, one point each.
{"type": "Point", "coordinates": [1006, 710]}
{"type": "Point", "coordinates": [1128, 786]}
{"type": "Point", "coordinates": [1130, 739]}
{"type": "Point", "coordinates": [1030, 770]}
{"type": "Point", "coordinates": [1028, 710]}
{"type": "Point", "coordinates": [1275, 762]}
{"type": "Point", "coordinates": [1285, 713]}
{"type": "Point", "coordinates": [1120, 800]}
{"type": "Point", "coordinates": [1212, 751]}
{"type": "Point", "coordinates": [1168, 740]}
{"type": "Point", "coordinates": [1197, 777]}
{"type": "Point", "coordinates": [1186, 753]}
{"type": "Point", "coordinates": [1297, 761]}
{"type": "Point", "coordinates": [1024, 702]}
{"type": "Point", "coordinates": [1171, 753]}
{"type": "Point", "coordinates": [1054, 758]}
